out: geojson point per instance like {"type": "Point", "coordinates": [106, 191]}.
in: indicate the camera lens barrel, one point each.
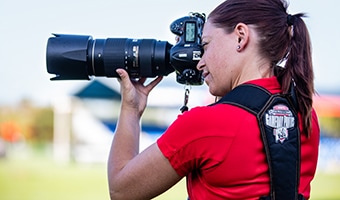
{"type": "Point", "coordinates": [73, 57]}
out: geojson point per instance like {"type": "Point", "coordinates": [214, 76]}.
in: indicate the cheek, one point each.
{"type": "Point", "coordinates": [220, 66]}
{"type": "Point", "coordinates": [217, 59]}
{"type": "Point", "coordinates": [220, 53]}
{"type": "Point", "coordinates": [221, 75]}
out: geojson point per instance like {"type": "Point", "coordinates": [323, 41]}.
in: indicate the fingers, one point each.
{"type": "Point", "coordinates": [142, 80]}
{"type": "Point", "coordinates": [153, 83]}
{"type": "Point", "coordinates": [125, 80]}
{"type": "Point", "coordinates": [134, 92]}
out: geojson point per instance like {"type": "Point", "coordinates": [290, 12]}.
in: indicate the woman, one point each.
{"type": "Point", "coordinates": [218, 148]}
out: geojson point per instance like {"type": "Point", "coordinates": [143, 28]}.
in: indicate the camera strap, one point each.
{"type": "Point", "coordinates": [278, 123]}
{"type": "Point", "coordinates": [186, 99]}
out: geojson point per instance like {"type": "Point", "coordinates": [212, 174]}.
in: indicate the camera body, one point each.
{"type": "Point", "coordinates": [185, 55]}
{"type": "Point", "coordinates": [76, 57]}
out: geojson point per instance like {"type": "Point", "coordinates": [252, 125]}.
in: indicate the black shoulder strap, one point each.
{"type": "Point", "coordinates": [280, 134]}
{"type": "Point", "coordinates": [247, 96]}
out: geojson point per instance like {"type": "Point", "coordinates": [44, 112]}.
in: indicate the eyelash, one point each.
{"type": "Point", "coordinates": [204, 44]}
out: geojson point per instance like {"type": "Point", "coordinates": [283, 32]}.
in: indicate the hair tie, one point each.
{"type": "Point", "coordinates": [291, 19]}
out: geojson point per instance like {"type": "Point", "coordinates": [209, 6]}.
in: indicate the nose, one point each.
{"type": "Point", "coordinates": [200, 65]}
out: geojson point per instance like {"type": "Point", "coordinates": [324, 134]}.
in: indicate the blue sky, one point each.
{"type": "Point", "coordinates": [25, 27]}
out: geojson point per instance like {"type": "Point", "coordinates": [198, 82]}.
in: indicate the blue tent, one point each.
{"type": "Point", "coordinates": [98, 90]}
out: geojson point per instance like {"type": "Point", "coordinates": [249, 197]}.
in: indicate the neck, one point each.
{"type": "Point", "coordinates": [252, 71]}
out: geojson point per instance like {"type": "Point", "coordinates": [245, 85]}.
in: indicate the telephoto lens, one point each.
{"type": "Point", "coordinates": [77, 57]}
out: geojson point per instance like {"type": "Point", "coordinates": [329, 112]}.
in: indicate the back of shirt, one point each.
{"type": "Point", "coordinates": [220, 150]}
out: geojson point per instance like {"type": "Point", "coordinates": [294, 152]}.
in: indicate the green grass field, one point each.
{"type": "Point", "coordinates": [41, 179]}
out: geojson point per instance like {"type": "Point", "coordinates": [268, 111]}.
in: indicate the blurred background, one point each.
{"type": "Point", "coordinates": [55, 136]}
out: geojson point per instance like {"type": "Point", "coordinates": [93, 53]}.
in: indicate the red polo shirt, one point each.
{"type": "Point", "coordinates": [220, 151]}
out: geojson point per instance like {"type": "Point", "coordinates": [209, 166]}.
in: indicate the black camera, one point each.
{"type": "Point", "coordinates": [76, 57]}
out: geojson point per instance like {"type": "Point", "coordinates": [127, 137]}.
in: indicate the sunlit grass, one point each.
{"type": "Point", "coordinates": [38, 180]}
{"type": "Point", "coordinates": [326, 186]}
{"type": "Point", "coordinates": [41, 179]}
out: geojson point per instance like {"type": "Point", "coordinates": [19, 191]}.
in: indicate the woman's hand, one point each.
{"type": "Point", "coordinates": [134, 92]}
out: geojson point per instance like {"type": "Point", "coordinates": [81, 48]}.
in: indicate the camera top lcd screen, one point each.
{"type": "Point", "coordinates": [190, 32]}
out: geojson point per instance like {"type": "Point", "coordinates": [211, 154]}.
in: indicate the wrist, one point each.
{"type": "Point", "coordinates": [131, 111]}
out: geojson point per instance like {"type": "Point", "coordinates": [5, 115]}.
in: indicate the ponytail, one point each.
{"type": "Point", "coordinates": [298, 68]}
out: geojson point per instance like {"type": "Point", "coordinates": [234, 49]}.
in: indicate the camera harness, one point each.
{"type": "Point", "coordinates": [278, 122]}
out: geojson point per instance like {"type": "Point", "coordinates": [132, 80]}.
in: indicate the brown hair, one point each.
{"type": "Point", "coordinates": [283, 39]}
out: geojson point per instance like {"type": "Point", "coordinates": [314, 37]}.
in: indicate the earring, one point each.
{"type": "Point", "coordinates": [238, 47]}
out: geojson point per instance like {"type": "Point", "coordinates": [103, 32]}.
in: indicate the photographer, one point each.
{"type": "Point", "coordinates": [222, 149]}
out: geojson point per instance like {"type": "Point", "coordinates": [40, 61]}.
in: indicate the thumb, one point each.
{"type": "Point", "coordinates": [123, 79]}
{"type": "Point", "coordinates": [123, 75]}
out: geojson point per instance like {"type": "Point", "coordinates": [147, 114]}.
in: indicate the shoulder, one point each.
{"type": "Point", "coordinates": [202, 136]}
{"type": "Point", "coordinates": [217, 121]}
{"type": "Point", "coordinates": [218, 114]}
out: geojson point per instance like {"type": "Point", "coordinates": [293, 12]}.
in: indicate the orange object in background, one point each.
{"type": "Point", "coordinates": [10, 131]}
{"type": "Point", "coordinates": [327, 105]}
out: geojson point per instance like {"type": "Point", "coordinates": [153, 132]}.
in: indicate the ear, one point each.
{"type": "Point", "coordinates": [242, 32]}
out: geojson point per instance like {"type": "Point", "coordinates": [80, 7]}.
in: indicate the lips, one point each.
{"type": "Point", "coordinates": [205, 74]}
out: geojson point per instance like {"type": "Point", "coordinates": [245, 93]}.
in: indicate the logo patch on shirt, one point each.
{"type": "Point", "coordinates": [280, 118]}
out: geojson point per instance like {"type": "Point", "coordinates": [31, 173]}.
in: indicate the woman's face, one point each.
{"type": "Point", "coordinates": [218, 63]}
